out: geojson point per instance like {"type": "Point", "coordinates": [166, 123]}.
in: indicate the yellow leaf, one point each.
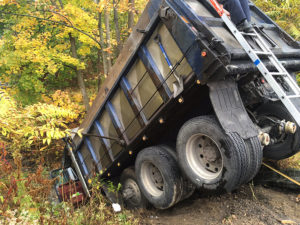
{"type": "Point", "coordinates": [43, 148]}
{"type": "Point", "coordinates": [52, 133]}
{"type": "Point", "coordinates": [4, 132]}
{"type": "Point", "coordinates": [79, 132]}
{"type": "Point", "coordinates": [32, 210]}
{"type": "Point", "coordinates": [288, 222]}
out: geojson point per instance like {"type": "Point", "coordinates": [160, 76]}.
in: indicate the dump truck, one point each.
{"type": "Point", "coordinates": [185, 108]}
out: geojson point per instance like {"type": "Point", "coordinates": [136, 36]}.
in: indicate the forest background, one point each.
{"type": "Point", "coordinates": [54, 56]}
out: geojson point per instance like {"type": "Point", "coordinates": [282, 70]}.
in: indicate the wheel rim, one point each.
{"type": "Point", "coordinates": [131, 192]}
{"type": "Point", "coordinates": [152, 179]}
{"type": "Point", "coordinates": [204, 156]}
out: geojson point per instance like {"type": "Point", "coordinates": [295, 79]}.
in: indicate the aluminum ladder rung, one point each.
{"type": "Point", "coordinates": [278, 73]}
{"type": "Point", "coordinates": [263, 53]}
{"type": "Point", "coordinates": [293, 96]}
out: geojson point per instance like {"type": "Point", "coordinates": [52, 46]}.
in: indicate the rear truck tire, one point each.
{"type": "Point", "coordinates": [209, 158]}
{"type": "Point", "coordinates": [255, 157]}
{"type": "Point", "coordinates": [291, 143]}
{"type": "Point", "coordinates": [158, 176]}
{"type": "Point", "coordinates": [188, 188]}
{"type": "Point", "coordinates": [132, 196]}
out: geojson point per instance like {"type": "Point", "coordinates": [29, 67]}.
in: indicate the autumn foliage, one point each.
{"type": "Point", "coordinates": [47, 44]}
{"type": "Point", "coordinates": [54, 55]}
{"type": "Point", "coordinates": [284, 13]}
{"type": "Point", "coordinates": [35, 126]}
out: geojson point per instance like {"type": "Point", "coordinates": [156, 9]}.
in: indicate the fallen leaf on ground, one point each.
{"type": "Point", "coordinates": [288, 222]}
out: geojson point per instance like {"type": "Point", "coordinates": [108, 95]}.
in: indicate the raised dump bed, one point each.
{"type": "Point", "coordinates": [140, 107]}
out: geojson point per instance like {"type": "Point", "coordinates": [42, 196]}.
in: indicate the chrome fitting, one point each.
{"type": "Point", "coordinates": [290, 127]}
{"type": "Point", "coordinates": [264, 138]}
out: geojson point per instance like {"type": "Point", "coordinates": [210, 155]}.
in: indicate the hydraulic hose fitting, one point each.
{"type": "Point", "coordinates": [287, 127]}
{"type": "Point", "coordinates": [264, 138]}
{"type": "Point", "coordinates": [290, 127]}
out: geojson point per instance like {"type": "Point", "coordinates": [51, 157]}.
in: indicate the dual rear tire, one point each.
{"type": "Point", "coordinates": [209, 159]}
{"type": "Point", "coordinates": [214, 160]}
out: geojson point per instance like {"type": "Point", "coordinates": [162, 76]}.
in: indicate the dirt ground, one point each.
{"type": "Point", "coordinates": [257, 205]}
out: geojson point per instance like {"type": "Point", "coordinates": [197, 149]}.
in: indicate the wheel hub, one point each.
{"type": "Point", "coordinates": [204, 156]}
{"type": "Point", "coordinates": [209, 154]}
{"type": "Point", "coordinates": [131, 192]}
{"type": "Point", "coordinates": [152, 179]}
{"type": "Point", "coordinates": [157, 178]}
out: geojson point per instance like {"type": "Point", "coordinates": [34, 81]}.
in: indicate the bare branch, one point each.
{"type": "Point", "coordinates": [66, 18]}
{"type": "Point", "coordinates": [72, 67]}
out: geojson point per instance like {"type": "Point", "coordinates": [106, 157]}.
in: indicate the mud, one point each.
{"type": "Point", "coordinates": [249, 205]}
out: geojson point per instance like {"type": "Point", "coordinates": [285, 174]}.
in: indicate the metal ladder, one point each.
{"type": "Point", "coordinates": [271, 77]}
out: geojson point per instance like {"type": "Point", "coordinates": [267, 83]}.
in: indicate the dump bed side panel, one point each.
{"type": "Point", "coordinates": [136, 98]}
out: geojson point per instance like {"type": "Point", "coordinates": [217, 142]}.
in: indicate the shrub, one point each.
{"type": "Point", "coordinates": [284, 13]}
{"type": "Point", "coordinates": [33, 128]}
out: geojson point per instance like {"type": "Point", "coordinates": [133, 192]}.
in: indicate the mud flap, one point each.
{"type": "Point", "coordinates": [229, 108]}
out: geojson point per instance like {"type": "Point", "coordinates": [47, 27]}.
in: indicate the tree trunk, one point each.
{"type": "Point", "coordinates": [116, 21]}
{"type": "Point", "coordinates": [61, 4]}
{"type": "Point", "coordinates": [100, 68]}
{"type": "Point", "coordinates": [53, 3]}
{"type": "Point", "coordinates": [79, 74]}
{"type": "Point", "coordinates": [130, 14]}
{"type": "Point", "coordinates": [107, 27]}
{"type": "Point", "coordinates": [86, 100]}
{"type": "Point", "coordinates": [103, 53]}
